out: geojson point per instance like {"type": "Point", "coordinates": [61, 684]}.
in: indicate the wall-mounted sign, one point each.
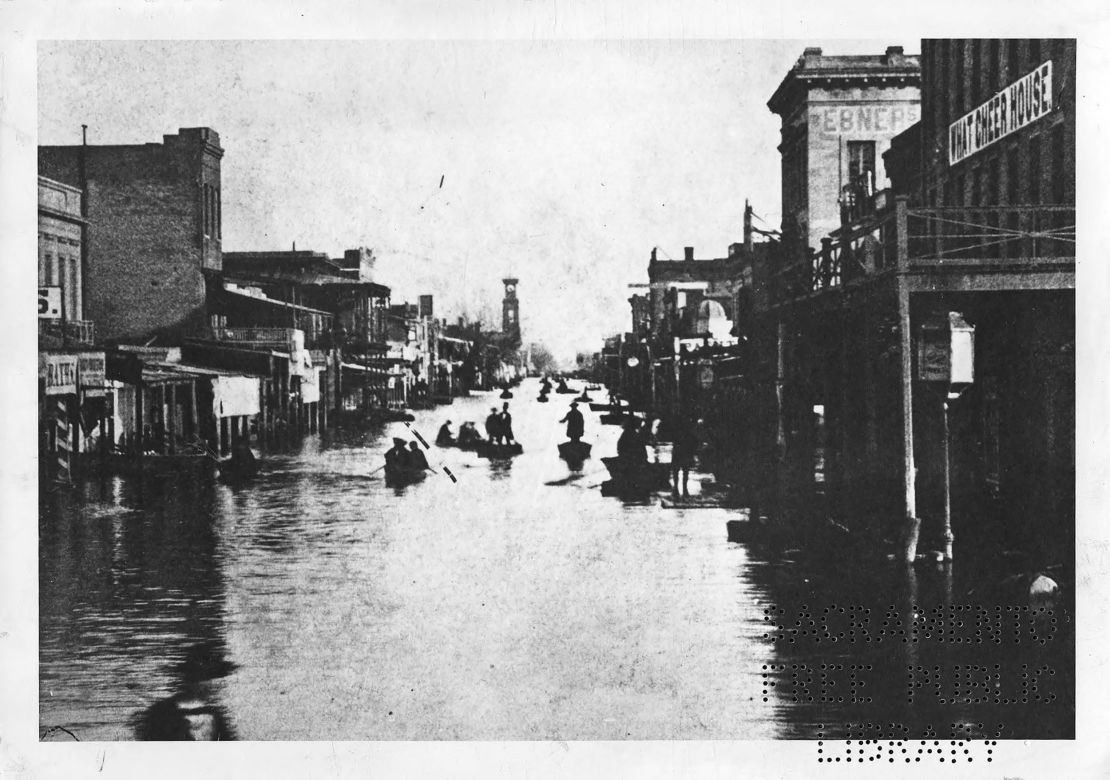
{"type": "Point", "coordinates": [1023, 102]}
{"type": "Point", "coordinates": [50, 303]}
{"type": "Point", "coordinates": [59, 373]}
{"type": "Point", "coordinates": [90, 369]}
{"type": "Point", "coordinates": [860, 121]}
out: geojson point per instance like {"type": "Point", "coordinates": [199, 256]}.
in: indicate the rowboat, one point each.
{"type": "Point", "coordinates": [638, 476]}
{"type": "Point", "coordinates": [574, 451]}
{"type": "Point", "coordinates": [498, 451]}
{"type": "Point", "coordinates": [399, 476]}
{"type": "Point", "coordinates": [234, 472]}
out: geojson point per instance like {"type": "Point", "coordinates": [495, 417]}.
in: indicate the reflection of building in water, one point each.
{"type": "Point", "coordinates": [124, 593]}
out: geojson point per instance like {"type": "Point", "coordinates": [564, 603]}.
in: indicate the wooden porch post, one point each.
{"type": "Point", "coordinates": [909, 472]}
{"type": "Point", "coordinates": [169, 418]}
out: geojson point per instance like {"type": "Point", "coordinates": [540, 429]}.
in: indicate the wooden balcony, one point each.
{"type": "Point", "coordinates": [56, 333]}
{"type": "Point", "coordinates": [902, 239]}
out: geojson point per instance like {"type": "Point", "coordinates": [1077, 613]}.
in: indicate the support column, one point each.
{"type": "Point", "coordinates": [169, 418]}
{"type": "Point", "coordinates": [912, 523]}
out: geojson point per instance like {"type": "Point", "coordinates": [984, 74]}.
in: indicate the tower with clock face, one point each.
{"type": "Point", "coordinates": [510, 312]}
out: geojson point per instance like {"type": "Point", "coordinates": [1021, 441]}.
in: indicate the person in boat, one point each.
{"type": "Point", "coordinates": [445, 438]}
{"type": "Point", "coordinates": [397, 456]}
{"type": "Point", "coordinates": [417, 461]}
{"type": "Point", "coordinates": [562, 388]}
{"type": "Point", "coordinates": [242, 458]}
{"type": "Point", "coordinates": [576, 425]}
{"type": "Point", "coordinates": [507, 425]}
{"type": "Point", "coordinates": [468, 434]}
{"type": "Point", "coordinates": [493, 426]}
{"type": "Point", "coordinates": [683, 453]}
{"type": "Point", "coordinates": [630, 446]}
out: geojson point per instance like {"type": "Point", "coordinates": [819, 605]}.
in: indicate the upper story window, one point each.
{"type": "Point", "coordinates": [861, 165]}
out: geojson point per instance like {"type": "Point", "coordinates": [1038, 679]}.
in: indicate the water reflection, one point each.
{"type": "Point", "coordinates": [517, 602]}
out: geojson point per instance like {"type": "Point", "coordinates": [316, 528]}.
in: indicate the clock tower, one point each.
{"type": "Point", "coordinates": [510, 313]}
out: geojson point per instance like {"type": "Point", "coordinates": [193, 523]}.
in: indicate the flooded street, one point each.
{"type": "Point", "coordinates": [517, 603]}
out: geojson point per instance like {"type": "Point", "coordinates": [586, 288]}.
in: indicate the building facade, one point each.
{"type": "Point", "coordinates": [157, 211]}
{"type": "Point", "coordinates": [838, 116]}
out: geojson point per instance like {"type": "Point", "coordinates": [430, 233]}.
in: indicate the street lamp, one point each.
{"type": "Point", "coordinates": [946, 359]}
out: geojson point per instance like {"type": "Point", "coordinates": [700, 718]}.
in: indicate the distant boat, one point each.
{"type": "Point", "coordinates": [542, 399]}
{"type": "Point", "coordinates": [234, 471]}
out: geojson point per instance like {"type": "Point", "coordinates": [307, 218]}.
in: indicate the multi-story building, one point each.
{"type": "Point", "coordinates": [838, 115]}
{"type": "Point", "coordinates": [72, 407]}
{"type": "Point", "coordinates": [156, 208]}
{"type": "Point", "coordinates": [976, 235]}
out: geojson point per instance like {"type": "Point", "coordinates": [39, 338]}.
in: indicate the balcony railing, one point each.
{"type": "Point", "coordinates": [69, 332]}
{"type": "Point", "coordinates": [278, 338]}
{"type": "Point", "coordinates": [904, 238]}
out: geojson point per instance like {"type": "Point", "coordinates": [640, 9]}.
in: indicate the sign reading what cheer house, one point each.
{"type": "Point", "coordinates": [1020, 104]}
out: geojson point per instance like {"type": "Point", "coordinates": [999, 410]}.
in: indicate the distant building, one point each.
{"type": "Point", "coordinates": [838, 116]}
{"type": "Point", "coordinates": [157, 238]}
{"type": "Point", "coordinates": [510, 314]}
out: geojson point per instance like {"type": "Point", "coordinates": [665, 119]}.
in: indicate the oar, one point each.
{"type": "Point", "coordinates": [420, 439]}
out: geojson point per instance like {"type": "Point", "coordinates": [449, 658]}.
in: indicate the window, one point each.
{"type": "Point", "coordinates": [958, 55]}
{"type": "Point", "coordinates": [861, 165]}
{"type": "Point", "coordinates": [994, 67]}
{"type": "Point", "coordinates": [1012, 57]}
{"type": "Point", "coordinates": [1059, 169]}
{"type": "Point", "coordinates": [46, 270]}
{"type": "Point", "coordinates": [1012, 177]}
{"type": "Point", "coordinates": [976, 72]}
{"type": "Point", "coordinates": [74, 291]}
{"type": "Point", "coordinates": [219, 216]}
{"type": "Point", "coordinates": [1035, 169]}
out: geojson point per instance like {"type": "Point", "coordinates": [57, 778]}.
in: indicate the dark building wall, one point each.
{"type": "Point", "coordinates": [157, 216]}
{"type": "Point", "coordinates": [1033, 165]}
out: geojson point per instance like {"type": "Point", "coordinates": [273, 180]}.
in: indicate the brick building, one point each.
{"type": "Point", "coordinates": [838, 116]}
{"type": "Point", "coordinates": [157, 216]}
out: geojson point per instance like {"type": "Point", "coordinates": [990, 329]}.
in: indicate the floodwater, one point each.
{"type": "Point", "coordinates": [517, 603]}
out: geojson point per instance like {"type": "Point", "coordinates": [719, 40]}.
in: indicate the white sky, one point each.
{"type": "Point", "coordinates": [563, 162]}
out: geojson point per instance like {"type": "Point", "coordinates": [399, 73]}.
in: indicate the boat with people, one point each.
{"type": "Point", "coordinates": [575, 451]}
{"type": "Point", "coordinates": [399, 476]}
{"type": "Point", "coordinates": [240, 467]}
{"type": "Point", "coordinates": [638, 475]}
{"type": "Point", "coordinates": [498, 451]}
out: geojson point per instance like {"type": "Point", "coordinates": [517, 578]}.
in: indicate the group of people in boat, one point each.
{"type": "Point", "coordinates": [499, 430]}
{"type": "Point", "coordinates": [405, 457]}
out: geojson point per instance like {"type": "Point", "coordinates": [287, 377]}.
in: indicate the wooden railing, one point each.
{"type": "Point", "coordinates": [903, 237]}
{"type": "Point", "coordinates": [270, 337]}
{"type": "Point", "coordinates": [69, 332]}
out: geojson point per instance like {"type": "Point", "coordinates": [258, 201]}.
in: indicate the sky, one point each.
{"type": "Point", "coordinates": [562, 163]}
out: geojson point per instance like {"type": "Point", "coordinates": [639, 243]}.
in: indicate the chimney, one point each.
{"type": "Point", "coordinates": [812, 51]}
{"type": "Point", "coordinates": [689, 253]}
{"type": "Point", "coordinates": [653, 251]}
{"type": "Point", "coordinates": [894, 54]}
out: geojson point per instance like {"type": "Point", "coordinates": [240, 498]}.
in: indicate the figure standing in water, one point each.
{"type": "Point", "coordinates": [507, 425]}
{"type": "Point", "coordinates": [576, 425]}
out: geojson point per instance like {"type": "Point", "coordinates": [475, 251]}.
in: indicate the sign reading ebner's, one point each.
{"type": "Point", "coordinates": [1023, 102]}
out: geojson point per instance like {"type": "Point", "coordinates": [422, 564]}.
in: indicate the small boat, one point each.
{"type": "Point", "coordinates": [506, 393]}
{"type": "Point", "coordinates": [584, 398]}
{"type": "Point", "coordinates": [390, 415]}
{"type": "Point", "coordinates": [399, 476]}
{"type": "Point", "coordinates": [564, 390]}
{"type": "Point", "coordinates": [574, 451]}
{"type": "Point", "coordinates": [614, 418]}
{"type": "Point", "coordinates": [542, 399]}
{"type": "Point", "coordinates": [234, 471]}
{"type": "Point", "coordinates": [638, 476]}
{"type": "Point", "coordinates": [498, 451]}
